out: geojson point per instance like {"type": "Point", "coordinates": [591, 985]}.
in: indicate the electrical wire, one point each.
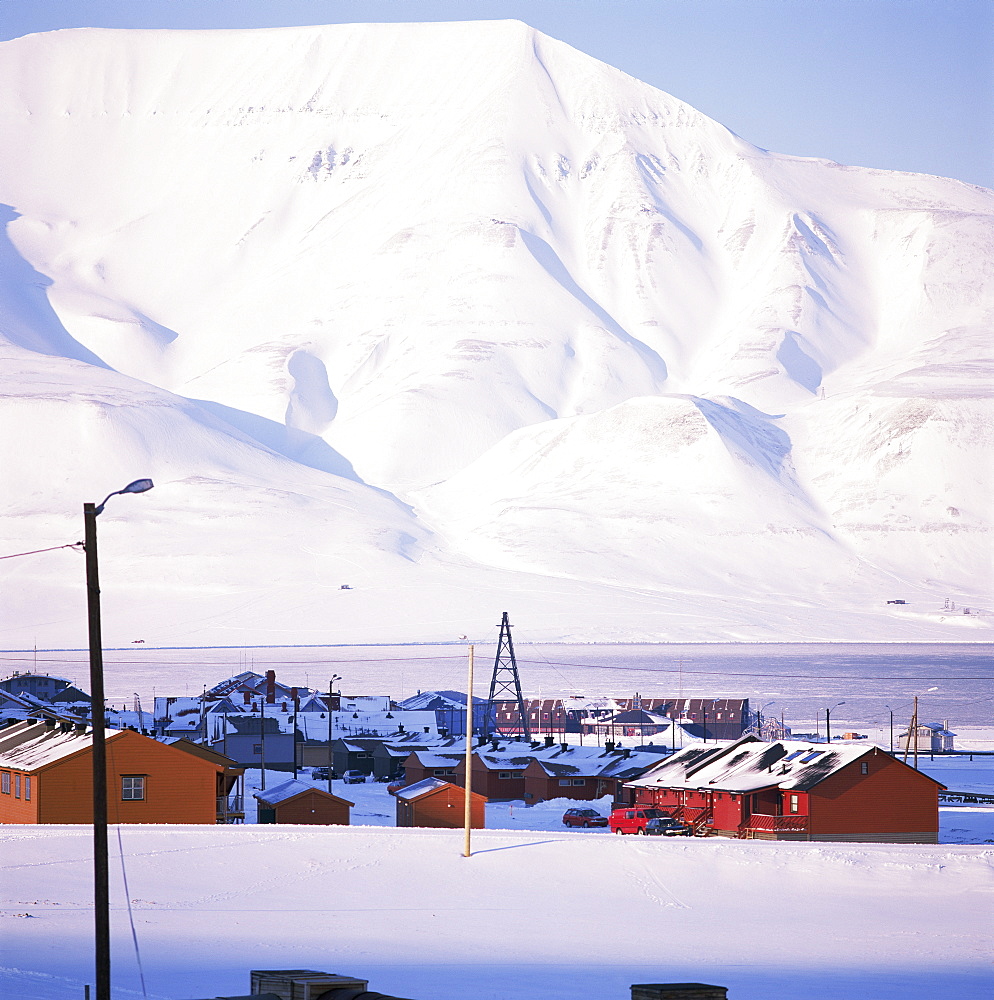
{"type": "Point", "coordinates": [53, 548]}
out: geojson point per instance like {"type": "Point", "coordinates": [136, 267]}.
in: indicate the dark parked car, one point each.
{"type": "Point", "coordinates": [667, 826]}
{"type": "Point", "coordinates": [354, 778]}
{"type": "Point", "coordinates": [320, 773]}
{"type": "Point", "coordinates": [583, 817]}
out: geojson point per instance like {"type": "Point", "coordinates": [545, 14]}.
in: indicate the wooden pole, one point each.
{"type": "Point", "coordinates": [916, 732]}
{"type": "Point", "coordinates": [98, 722]}
{"type": "Point", "coordinates": [468, 780]}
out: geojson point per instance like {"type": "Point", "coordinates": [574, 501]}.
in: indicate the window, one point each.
{"type": "Point", "coordinates": [564, 782]}
{"type": "Point", "coordinates": [503, 774]}
{"type": "Point", "coordinates": [27, 788]}
{"type": "Point", "coordinates": [864, 767]}
{"type": "Point", "coordinates": [579, 781]}
{"type": "Point", "coordinates": [256, 748]}
{"type": "Point", "coordinates": [17, 786]}
{"type": "Point", "coordinates": [794, 807]}
{"type": "Point", "coordinates": [5, 782]}
{"type": "Point", "coordinates": [132, 787]}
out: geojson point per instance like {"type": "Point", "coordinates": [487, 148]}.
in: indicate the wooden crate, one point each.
{"type": "Point", "coordinates": [300, 984]}
{"type": "Point", "coordinates": [678, 991]}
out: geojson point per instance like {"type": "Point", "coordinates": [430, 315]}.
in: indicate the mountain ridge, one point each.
{"type": "Point", "coordinates": [440, 261]}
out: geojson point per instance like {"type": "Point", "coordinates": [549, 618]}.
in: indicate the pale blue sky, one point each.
{"type": "Point", "coordinates": [899, 84]}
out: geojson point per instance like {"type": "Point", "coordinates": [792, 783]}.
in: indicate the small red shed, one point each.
{"type": "Point", "coordinates": [296, 802]}
{"type": "Point", "coordinates": [436, 803]}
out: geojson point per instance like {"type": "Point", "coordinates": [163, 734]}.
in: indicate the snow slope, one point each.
{"type": "Point", "coordinates": [538, 915]}
{"type": "Point", "coordinates": [455, 314]}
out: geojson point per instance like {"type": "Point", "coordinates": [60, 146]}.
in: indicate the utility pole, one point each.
{"type": "Point", "coordinates": [98, 722]}
{"type": "Point", "coordinates": [468, 777]}
{"type": "Point", "coordinates": [262, 741]}
{"type": "Point", "coordinates": [101, 890]}
{"type": "Point", "coordinates": [505, 680]}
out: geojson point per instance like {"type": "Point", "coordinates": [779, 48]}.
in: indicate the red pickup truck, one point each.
{"type": "Point", "coordinates": [632, 819]}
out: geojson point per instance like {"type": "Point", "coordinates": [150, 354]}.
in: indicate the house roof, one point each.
{"type": "Point", "coordinates": [32, 746]}
{"type": "Point", "coordinates": [429, 786]}
{"type": "Point", "coordinates": [591, 762]}
{"type": "Point", "coordinates": [748, 764]}
{"type": "Point", "coordinates": [287, 790]}
{"type": "Point", "coordinates": [431, 758]}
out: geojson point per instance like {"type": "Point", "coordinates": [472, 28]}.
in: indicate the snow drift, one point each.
{"type": "Point", "coordinates": [464, 318]}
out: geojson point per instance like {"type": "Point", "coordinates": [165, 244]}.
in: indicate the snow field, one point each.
{"type": "Point", "coordinates": [209, 904]}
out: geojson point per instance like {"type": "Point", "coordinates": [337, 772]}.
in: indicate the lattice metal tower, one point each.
{"type": "Point", "coordinates": [505, 684]}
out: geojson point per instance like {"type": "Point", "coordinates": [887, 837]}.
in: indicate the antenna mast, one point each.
{"type": "Point", "coordinates": [505, 681]}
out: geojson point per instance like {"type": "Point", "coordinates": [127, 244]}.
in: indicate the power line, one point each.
{"type": "Point", "coordinates": [54, 548]}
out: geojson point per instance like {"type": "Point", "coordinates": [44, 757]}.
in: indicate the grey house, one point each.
{"type": "Point", "coordinates": [249, 744]}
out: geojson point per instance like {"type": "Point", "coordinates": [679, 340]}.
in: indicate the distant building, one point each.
{"type": "Point", "coordinates": [723, 718]}
{"type": "Point", "coordinates": [931, 736]}
{"type": "Point", "coordinates": [43, 686]}
{"type": "Point", "coordinates": [449, 708]}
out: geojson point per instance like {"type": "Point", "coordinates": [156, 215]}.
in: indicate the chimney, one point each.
{"type": "Point", "coordinates": [550, 740]}
{"type": "Point", "coordinates": [609, 746]}
{"type": "Point", "coordinates": [270, 687]}
{"type": "Point", "coordinates": [50, 723]}
{"type": "Point", "coordinates": [564, 747]}
{"type": "Point", "coordinates": [80, 728]}
{"type": "Point", "coordinates": [247, 696]}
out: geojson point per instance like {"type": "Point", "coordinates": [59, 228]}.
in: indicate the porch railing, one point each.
{"type": "Point", "coordinates": [233, 805]}
{"type": "Point", "coordinates": [774, 824]}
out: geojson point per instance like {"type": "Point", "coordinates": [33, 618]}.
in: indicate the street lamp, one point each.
{"type": "Point", "coordinates": [331, 715]}
{"type": "Point", "coordinates": [889, 709]}
{"type": "Point", "coordinates": [828, 722]}
{"type": "Point", "coordinates": [101, 894]}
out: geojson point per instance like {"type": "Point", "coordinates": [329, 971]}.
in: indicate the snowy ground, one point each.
{"type": "Point", "coordinates": [538, 912]}
{"type": "Point", "coordinates": [540, 915]}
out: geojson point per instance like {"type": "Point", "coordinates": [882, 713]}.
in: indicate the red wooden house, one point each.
{"type": "Point", "coordinates": [297, 802]}
{"type": "Point", "coordinates": [794, 791]}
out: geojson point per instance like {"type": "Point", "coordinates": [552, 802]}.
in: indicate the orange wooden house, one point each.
{"type": "Point", "coordinates": [46, 777]}
{"type": "Point", "coordinates": [436, 803]}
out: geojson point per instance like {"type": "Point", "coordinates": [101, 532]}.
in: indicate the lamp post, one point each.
{"type": "Point", "coordinates": [828, 722]}
{"type": "Point", "coordinates": [98, 720]}
{"type": "Point", "coordinates": [331, 716]}
{"type": "Point", "coordinates": [889, 709]}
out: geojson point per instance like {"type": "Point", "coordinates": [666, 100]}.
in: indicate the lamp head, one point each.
{"type": "Point", "coordinates": [138, 486]}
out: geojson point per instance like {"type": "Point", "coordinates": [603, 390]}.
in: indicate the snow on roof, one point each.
{"type": "Point", "coordinates": [420, 788]}
{"type": "Point", "coordinates": [593, 761]}
{"type": "Point", "coordinates": [748, 764]}
{"type": "Point", "coordinates": [28, 747]}
{"type": "Point", "coordinates": [431, 758]}
{"type": "Point", "coordinates": [291, 789]}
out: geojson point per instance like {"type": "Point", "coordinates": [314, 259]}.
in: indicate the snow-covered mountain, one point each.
{"type": "Point", "coordinates": [464, 319]}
